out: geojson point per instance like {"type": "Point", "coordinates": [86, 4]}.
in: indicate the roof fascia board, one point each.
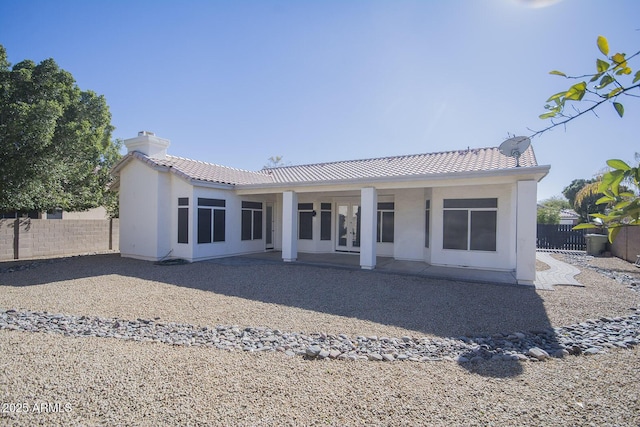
{"type": "Point", "coordinates": [211, 184]}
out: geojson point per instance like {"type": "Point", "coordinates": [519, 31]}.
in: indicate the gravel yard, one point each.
{"type": "Point", "coordinates": [114, 382]}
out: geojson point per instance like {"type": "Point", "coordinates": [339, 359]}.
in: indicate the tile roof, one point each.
{"type": "Point", "coordinates": [208, 172]}
{"type": "Point", "coordinates": [568, 214]}
{"type": "Point", "coordinates": [469, 160]}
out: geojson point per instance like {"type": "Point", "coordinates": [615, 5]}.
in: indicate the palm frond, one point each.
{"type": "Point", "coordinates": [587, 191]}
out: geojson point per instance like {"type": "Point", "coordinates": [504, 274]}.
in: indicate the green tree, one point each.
{"type": "Point", "coordinates": [549, 210]}
{"type": "Point", "coordinates": [55, 139]}
{"type": "Point", "coordinates": [110, 198]}
{"type": "Point", "coordinates": [556, 202]}
{"type": "Point", "coordinates": [582, 197]}
{"type": "Point", "coordinates": [546, 215]}
{"type": "Point", "coordinates": [612, 80]}
{"type": "Point", "coordinates": [571, 190]}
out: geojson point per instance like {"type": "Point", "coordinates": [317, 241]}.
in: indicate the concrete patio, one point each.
{"type": "Point", "coordinates": [559, 273]}
{"type": "Point", "coordinates": [390, 265]}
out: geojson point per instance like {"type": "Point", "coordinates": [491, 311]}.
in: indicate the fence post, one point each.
{"type": "Point", "coordinates": [16, 238]}
{"type": "Point", "coordinates": [110, 233]}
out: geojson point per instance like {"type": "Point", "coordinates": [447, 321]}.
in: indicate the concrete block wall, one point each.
{"type": "Point", "coordinates": [627, 244]}
{"type": "Point", "coordinates": [6, 238]}
{"type": "Point", "coordinates": [42, 238]}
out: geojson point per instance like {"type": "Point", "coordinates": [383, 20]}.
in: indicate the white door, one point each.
{"type": "Point", "coordinates": [348, 227]}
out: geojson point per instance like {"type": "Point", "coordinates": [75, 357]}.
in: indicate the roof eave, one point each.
{"type": "Point", "coordinates": [211, 184]}
{"type": "Point", "coordinates": [135, 155]}
{"type": "Point", "coordinates": [531, 172]}
{"type": "Point", "coordinates": [115, 171]}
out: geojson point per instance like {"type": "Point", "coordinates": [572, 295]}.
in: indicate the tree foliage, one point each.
{"type": "Point", "coordinates": [608, 84]}
{"type": "Point", "coordinates": [612, 80]}
{"type": "Point", "coordinates": [546, 215]}
{"type": "Point", "coordinates": [549, 210]}
{"type": "Point", "coordinates": [624, 204]}
{"type": "Point", "coordinates": [55, 139]}
{"type": "Point", "coordinates": [571, 190]}
{"type": "Point", "coordinates": [556, 202]}
{"type": "Point", "coordinates": [582, 198]}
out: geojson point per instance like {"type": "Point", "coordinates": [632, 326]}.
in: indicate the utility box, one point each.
{"type": "Point", "coordinates": [596, 244]}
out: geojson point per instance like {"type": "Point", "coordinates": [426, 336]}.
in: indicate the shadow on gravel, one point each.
{"type": "Point", "coordinates": [436, 307]}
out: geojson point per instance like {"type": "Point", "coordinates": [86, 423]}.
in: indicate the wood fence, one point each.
{"type": "Point", "coordinates": [561, 237]}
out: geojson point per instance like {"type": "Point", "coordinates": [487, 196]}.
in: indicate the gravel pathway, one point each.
{"type": "Point", "coordinates": [55, 378]}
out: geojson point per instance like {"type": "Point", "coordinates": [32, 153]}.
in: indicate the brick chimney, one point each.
{"type": "Point", "coordinates": [148, 144]}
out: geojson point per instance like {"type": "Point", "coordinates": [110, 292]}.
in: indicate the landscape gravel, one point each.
{"type": "Point", "coordinates": [623, 274]}
{"type": "Point", "coordinates": [209, 344]}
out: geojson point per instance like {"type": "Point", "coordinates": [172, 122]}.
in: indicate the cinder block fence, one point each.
{"type": "Point", "coordinates": [33, 238]}
{"type": "Point", "coordinates": [627, 244]}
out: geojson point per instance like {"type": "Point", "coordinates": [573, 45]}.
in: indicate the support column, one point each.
{"type": "Point", "coordinates": [526, 232]}
{"type": "Point", "coordinates": [368, 222]}
{"type": "Point", "coordinates": [289, 226]}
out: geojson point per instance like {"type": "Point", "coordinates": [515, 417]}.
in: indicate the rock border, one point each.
{"type": "Point", "coordinates": [593, 336]}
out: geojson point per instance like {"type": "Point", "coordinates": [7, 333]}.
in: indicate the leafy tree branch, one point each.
{"type": "Point", "coordinates": [607, 85]}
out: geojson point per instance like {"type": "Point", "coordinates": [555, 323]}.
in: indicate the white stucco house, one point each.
{"type": "Point", "coordinates": [469, 208]}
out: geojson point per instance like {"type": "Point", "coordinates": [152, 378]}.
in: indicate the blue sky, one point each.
{"type": "Point", "coordinates": [235, 82]}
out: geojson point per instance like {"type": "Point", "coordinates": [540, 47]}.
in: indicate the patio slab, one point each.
{"type": "Point", "coordinates": [391, 265]}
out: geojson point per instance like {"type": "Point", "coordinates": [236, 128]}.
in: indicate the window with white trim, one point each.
{"type": "Point", "coordinates": [470, 224]}
{"type": "Point", "coordinates": [427, 223]}
{"type": "Point", "coordinates": [183, 220]}
{"type": "Point", "coordinates": [325, 221]}
{"type": "Point", "coordinates": [211, 220]}
{"type": "Point", "coordinates": [305, 221]}
{"type": "Point", "coordinates": [251, 228]}
{"type": "Point", "coordinates": [385, 227]}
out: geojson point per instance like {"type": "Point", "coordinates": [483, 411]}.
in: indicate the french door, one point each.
{"type": "Point", "coordinates": [348, 227]}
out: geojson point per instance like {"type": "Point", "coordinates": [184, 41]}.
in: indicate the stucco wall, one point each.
{"type": "Point", "coordinates": [149, 217]}
{"type": "Point", "coordinates": [138, 211]}
{"type": "Point", "coordinates": [181, 189]}
{"type": "Point", "coordinates": [43, 238]}
{"type": "Point", "coordinates": [409, 232]}
{"type": "Point", "coordinates": [233, 244]}
{"type": "Point", "coordinates": [627, 244]}
{"type": "Point", "coordinates": [504, 256]}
